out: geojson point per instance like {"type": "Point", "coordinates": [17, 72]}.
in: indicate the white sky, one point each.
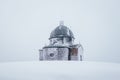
{"type": "Point", "coordinates": [25, 27]}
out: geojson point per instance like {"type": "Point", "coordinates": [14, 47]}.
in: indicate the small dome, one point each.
{"type": "Point", "coordinates": [61, 31]}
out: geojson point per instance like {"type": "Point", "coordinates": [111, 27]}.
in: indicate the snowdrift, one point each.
{"type": "Point", "coordinates": [59, 70]}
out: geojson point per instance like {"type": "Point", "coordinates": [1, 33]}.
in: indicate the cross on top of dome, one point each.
{"type": "Point", "coordinates": [61, 23]}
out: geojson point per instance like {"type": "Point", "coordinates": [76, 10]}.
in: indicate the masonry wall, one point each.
{"type": "Point", "coordinates": [55, 53]}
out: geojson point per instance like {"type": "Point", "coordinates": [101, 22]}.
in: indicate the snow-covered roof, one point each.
{"type": "Point", "coordinates": [55, 46]}
{"type": "Point", "coordinates": [61, 31]}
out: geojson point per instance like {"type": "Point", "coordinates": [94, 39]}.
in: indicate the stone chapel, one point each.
{"type": "Point", "coordinates": [61, 46]}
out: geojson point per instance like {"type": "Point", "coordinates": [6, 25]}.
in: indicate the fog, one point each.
{"type": "Point", "coordinates": [25, 26]}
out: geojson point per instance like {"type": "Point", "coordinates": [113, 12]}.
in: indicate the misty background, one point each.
{"type": "Point", "coordinates": [25, 26]}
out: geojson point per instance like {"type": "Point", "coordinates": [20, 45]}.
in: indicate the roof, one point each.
{"type": "Point", "coordinates": [50, 46]}
{"type": "Point", "coordinates": [61, 31]}
{"type": "Point", "coordinates": [63, 46]}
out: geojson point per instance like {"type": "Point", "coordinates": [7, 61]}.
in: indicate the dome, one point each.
{"type": "Point", "coordinates": [61, 31]}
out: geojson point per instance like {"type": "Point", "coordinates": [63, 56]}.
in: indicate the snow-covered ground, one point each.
{"type": "Point", "coordinates": [59, 70]}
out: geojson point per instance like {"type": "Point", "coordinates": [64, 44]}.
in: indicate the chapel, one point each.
{"type": "Point", "coordinates": [61, 46]}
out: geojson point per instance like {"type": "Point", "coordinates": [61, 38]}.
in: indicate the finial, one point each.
{"type": "Point", "coordinates": [61, 22]}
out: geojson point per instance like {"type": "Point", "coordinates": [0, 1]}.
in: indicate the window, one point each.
{"type": "Point", "coordinates": [51, 54]}
{"type": "Point", "coordinates": [68, 39]}
{"type": "Point", "coordinates": [74, 51]}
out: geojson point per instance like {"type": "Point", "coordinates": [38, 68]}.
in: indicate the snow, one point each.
{"type": "Point", "coordinates": [59, 70]}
